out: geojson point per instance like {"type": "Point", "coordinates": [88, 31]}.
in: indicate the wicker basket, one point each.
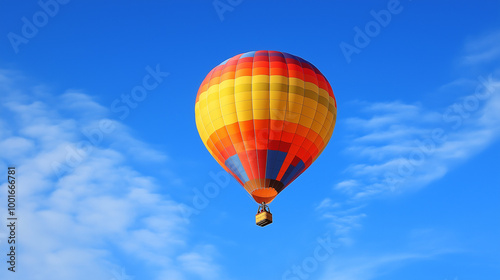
{"type": "Point", "coordinates": [263, 218]}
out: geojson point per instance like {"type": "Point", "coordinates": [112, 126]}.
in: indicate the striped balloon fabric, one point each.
{"type": "Point", "coordinates": [265, 116]}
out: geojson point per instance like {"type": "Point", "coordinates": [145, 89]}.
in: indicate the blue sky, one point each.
{"type": "Point", "coordinates": [408, 187]}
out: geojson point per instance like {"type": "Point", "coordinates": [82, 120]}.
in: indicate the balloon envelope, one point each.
{"type": "Point", "coordinates": [265, 116]}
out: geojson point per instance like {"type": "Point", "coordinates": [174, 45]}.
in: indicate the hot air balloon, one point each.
{"type": "Point", "coordinates": [265, 116]}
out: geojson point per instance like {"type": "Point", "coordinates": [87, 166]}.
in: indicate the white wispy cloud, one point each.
{"type": "Point", "coordinates": [403, 147]}
{"type": "Point", "coordinates": [399, 147]}
{"type": "Point", "coordinates": [406, 146]}
{"type": "Point", "coordinates": [368, 267]}
{"type": "Point", "coordinates": [419, 244]}
{"type": "Point", "coordinates": [341, 219]}
{"type": "Point", "coordinates": [196, 263]}
{"type": "Point", "coordinates": [84, 211]}
{"type": "Point", "coordinates": [483, 49]}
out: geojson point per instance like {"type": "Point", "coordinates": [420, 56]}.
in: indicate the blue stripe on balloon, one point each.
{"type": "Point", "coordinates": [292, 171]}
{"type": "Point", "coordinates": [234, 164]}
{"type": "Point", "coordinates": [274, 162]}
